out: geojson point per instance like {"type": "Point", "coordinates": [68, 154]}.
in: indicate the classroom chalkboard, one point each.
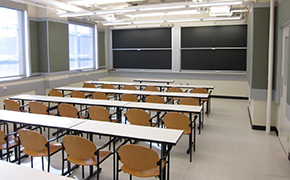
{"type": "Point", "coordinates": [219, 59]}
{"type": "Point", "coordinates": [214, 48]}
{"type": "Point", "coordinates": [214, 36]}
{"type": "Point", "coordinates": [147, 59]}
{"type": "Point", "coordinates": [142, 38]}
{"type": "Point", "coordinates": [142, 48]}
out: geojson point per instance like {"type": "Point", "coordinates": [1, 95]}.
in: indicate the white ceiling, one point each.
{"type": "Point", "coordinates": [109, 11]}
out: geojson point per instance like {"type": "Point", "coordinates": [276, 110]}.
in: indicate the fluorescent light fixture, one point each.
{"type": "Point", "coordinates": [116, 23]}
{"type": "Point", "coordinates": [152, 8]}
{"type": "Point", "coordinates": [220, 9]}
{"type": "Point", "coordinates": [182, 20]}
{"type": "Point", "coordinates": [194, 11]}
{"type": "Point", "coordinates": [76, 14]}
{"type": "Point", "coordinates": [223, 18]}
{"type": "Point", "coordinates": [216, 4]}
{"type": "Point", "coordinates": [148, 22]}
{"type": "Point", "coordinates": [113, 11]}
{"type": "Point", "coordinates": [101, 1]}
{"type": "Point", "coordinates": [146, 15]}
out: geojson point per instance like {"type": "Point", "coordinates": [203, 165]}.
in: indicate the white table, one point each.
{"type": "Point", "coordinates": [11, 171]}
{"type": "Point", "coordinates": [167, 81]}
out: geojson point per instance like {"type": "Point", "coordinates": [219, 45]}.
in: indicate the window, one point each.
{"type": "Point", "coordinates": [12, 61]}
{"type": "Point", "coordinates": [81, 47]}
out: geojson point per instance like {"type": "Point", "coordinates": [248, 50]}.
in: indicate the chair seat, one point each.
{"type": "Point", "coordinates": [143, 173]}
{"type": "Point", "coordinates": [53, 147]}
{"type": "Point", "coordinates": [91, 161]}
{"type": "Point", "coordinates": [12, 141]}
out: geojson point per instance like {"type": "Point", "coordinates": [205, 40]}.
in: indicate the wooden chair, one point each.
{"type": "Point", "coordinates": [129, 87]}
{"type": "Point", "coordinates": [129, 97]}
{"type": "Point", "coordinates": [109, 86]}
{"type": "Point", "coordinates": [174, 90]}
{"type": "Point", "coordinates": [36, 145]}
{"type": "Point", "coordinates": [77, 94]}
{"type": "Point", "coordinates": [100, 113]}
{"type": "Point", "coordinates": [174, 120]}
{"type": "Point", "coordinates": [83, 152]}
{"type": "Point", "coordinates": [139, 117]}
{"type": "Point", "coordinates": [7, 142]}
{"type": "Point", "coordinates": [155, 99]}
{"type": "Point", "coordinates": [12, 105]}
{"type": "Point", "coordinates": [54, 92]}
{"type": "Point", "coordinates": [99, 95]}
{"type": "Point", "coordinates": [89, 85]}
{"type": "Point", "coordinates": [139, 161]}
{"type": "Point", "coordinates": [203, 91]}
{"type": "Point", "coordinates": [68, 110]}
{"type": "Point", "coordinates": [151, 88]}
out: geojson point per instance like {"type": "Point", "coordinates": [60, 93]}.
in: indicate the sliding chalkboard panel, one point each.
{"type": "Point", "coordinates": [142, 38]}
{"type": "Point", "coordinates": [145, 59]}
{"type": "Point", "coordinates": [207, 59]}
{"type": "Point", "coordinates": [214, 36]}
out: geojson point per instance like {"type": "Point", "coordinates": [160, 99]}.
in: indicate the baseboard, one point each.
{"type": "Point", "coordinates": [261, 128]}
{"type": "Point", "coordinates": [229, 97]}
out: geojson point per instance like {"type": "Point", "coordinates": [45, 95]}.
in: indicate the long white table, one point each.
{"type": "Point", "coordinates": [13, 171]}
{"type": "Point", "coordinates": [167, 81]}
{"type": "Point", "coordinates": [167, 137]}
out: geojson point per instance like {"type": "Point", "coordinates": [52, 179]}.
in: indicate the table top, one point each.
{"type": "Point", "coordinates": [164, 107]}
{"type": "Point", "coordinates": [13, 171]}
{"type": "Point", "coordinates": [70, 100]}
{"type": "Point", "coordinates": [39, 119]}
{"type": "Point", "coordinates": [153, 134]}
{"type": "Point", "coordinates": [135, 92]}
{"type": "Point", "coordinates": [155, 80]}
{"type": "Point", "coordinates": [152, 84]}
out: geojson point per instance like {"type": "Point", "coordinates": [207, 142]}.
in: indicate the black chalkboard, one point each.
{"type": "Point", "coordinates": [219, 59]}
{"type": "Point", "coordinates": [142, 38]}
{"type": "Point", "coordinates": [214, 36]}
{"type": "Point", "coordinates": [144, 59]}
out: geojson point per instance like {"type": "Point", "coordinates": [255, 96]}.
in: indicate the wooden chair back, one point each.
{"type": "Point", "coordinates": [154, 99]}
{"type": "Point", "coordinates": [129, 97]}
{"type": "Point", "coordinates": [189, 101]}
{"type": "Point", "coordinates": [100, 95]}
{"type": "Point", "coordinates": [108, 86]}
{"type": "Point", "coordinates": [138, 117]}
{"type": "Point", "coordinates": [77, 94]}
{"type": "Point", "coordinates": [89, 85]}
{"type": "Point", "coordinates": [32, 140]}
{"type": "Point", "coordinates": [2, 140]}
{"type": "Point", "coordinates": [174, 89]}
{"type": "Point", "coordinates": [78, 147]}
{"type": "Point", "coordinates": [129, 87]}
{"type": "Point", "coordinates": [54, 92]}
{"type": "Point", "coordinates": [138, 157]}
{"type": "Point", "coordinates": [99, 113]}
{"type": "Point", "coordinates": [199, 90]}
{"type": "Point", "coordinates": [176, 120]}
{"type": "Point", "coordinates": [151, 88]}
{"type": "Point", "coordinates": [37, 108]}
{"type": "Point", "coordinates": [11, 105]}
{"type": "Point", "coordinates": [67, 110]}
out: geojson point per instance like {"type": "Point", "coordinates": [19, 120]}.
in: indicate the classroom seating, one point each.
{"type": "Point", "coordinates": [99, 95]}
{"type": "Point", "coordinates": [109, 86]}
{"type": "Point", "coordinates": [36, 145]}
{"type": "Point", "coordinates": [77, 94]}
{"type": "Point", "coordinates": [140, 161]}
{"type": "Point", "coordinates": [129, 87]}
{"type": "Point", "coordinates": [68, 110]}
{"type": "Point", "coordinates": [12, 105]}
{"type": "Point", "coordinates": [7, 142]}
{"type": "Point", "coordinates": [39, 108]}
{"type": "Point", "coordinates": [139, 117]}
{"type": "Point", "coordinates": [151, 88]}
{"type": "Point", "coordinates": [100, 113]}
{"type": "Point", "coordinates": [155, 99]}
{"type": "Point", "coordinates": [174, 90]}
{"type": "Point", "coordinates": [174, 120]}
{"type": "Point", "coordinates": [84, 152]}
{"type": "Point", "coordinates": [129, 97]}
{"type": "Point", "coordinates": [54, 92]}
{"type": "Point", "coordinates": [89, 85]}
{"type": "Point", "coordinates": [203, 100]}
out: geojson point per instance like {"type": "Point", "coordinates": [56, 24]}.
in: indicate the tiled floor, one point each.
{"type": "Point", "coordinates": [227, 149]}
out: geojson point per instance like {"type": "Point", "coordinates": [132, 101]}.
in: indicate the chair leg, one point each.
{"type": "Point", "coordinates": [31, 161]}
{"type": "Point", "coordinates": [130, 177]}
{"type": "Point", "coordinates": [42, 162]}
{"type": "Point", "coordinates": [83, 172]}
{"type": "Point", "coordinates": [1, 155]}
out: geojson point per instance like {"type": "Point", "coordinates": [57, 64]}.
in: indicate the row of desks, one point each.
{"type": "Point", "coordinates": [166, 137]}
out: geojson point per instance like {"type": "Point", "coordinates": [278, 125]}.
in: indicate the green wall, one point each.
{"type": "Point", "coordinates": [260, 48]}
{"type": "Point", "coordinates": [58, 46]}
{"type": "Point", "coordinates": [42, 46]}
{"type": "Point", "coordinates": [34, 46]}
